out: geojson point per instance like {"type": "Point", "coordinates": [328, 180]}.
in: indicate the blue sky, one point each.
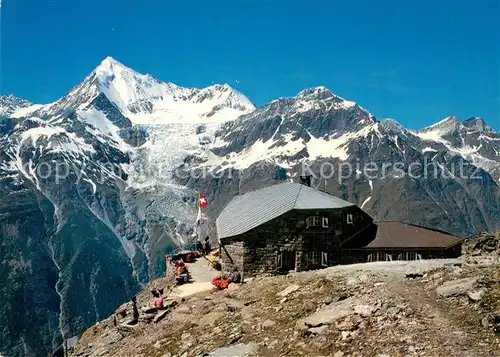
{"type": "Point", "coordinates": [415, 61]}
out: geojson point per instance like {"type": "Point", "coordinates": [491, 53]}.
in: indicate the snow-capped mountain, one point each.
{"type": "Point", "coordinates": [97, 186]}
{"type": "Point", "coordinates": [11, 105]}
{"type": "Point", "coordinates": [68, 203]}
{"type": "Point", "coordinates": [146, 100]}
{"type": "Point", "coordinates": [472, 139]}
{"type": "Point", "coordinates": [314, 124]}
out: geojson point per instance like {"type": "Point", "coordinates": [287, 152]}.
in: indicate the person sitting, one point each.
{"type": "Point", "coordinates": [158, 299]}
{"type": "Point", "coordinates": [220, 282]}
{"type": "Point", "coordinates": [235, 276]}
{"type": "Point", "coordinates": [182, 274]}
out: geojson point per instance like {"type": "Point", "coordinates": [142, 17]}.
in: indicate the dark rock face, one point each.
{"type": "Point", "coordinates": [62, 257]}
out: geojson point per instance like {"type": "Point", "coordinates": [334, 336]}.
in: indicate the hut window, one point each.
{"type": "Point", "coordinates": [313, 257]}
{"type": "Point", "coordinates": [324, 223]}
{"type": "Point", "coordinates": [313, 221]}
{"type": "Point", "coordinates": [350, 219]}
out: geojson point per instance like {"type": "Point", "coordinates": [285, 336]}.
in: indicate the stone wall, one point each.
{"type": "Point", "coordinates": [231, 253]}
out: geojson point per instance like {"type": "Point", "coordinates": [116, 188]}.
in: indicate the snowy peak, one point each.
{"type": "Point", "coordinates": [9, 104]}
{"type": "Point", "coordinates": [394, 127]}
{"type": "Point", "coordinates": [451, 125]}
{"type": "Point", "coordinates": [109, 64]}
{"type": "Point", "coordinates": [146, 100]}
{"type": "Point", "coordinates": [444, 127]}
{"type": "Point", "coordinates": [478, 124]}
{"type": "Point", "coordinates": [322, 94]}
{"type": "Point", "coordinates": [224, 94]}
{"type": "Point", "coordinates": [316, 93]}
{"type": "Point", "coordinates": [130, 91]}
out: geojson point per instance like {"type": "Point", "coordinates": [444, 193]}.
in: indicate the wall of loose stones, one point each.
{"type": "Point", "coordinates": [231, 252]}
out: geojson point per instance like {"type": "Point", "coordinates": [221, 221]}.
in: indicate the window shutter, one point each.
{"type": "Point", "coordinates": [279, 260]}
{"type": "Point", "coordinates": [324, 259]}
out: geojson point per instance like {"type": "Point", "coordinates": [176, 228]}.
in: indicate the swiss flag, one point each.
{"type": "Point", "coordinates": [202, 201]}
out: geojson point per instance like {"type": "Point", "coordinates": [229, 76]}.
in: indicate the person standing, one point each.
{"type": "Point", "coordinates": [135, 311]}
{"type": "Point", "coordinates": [208, 248]}
{"type": "Point", "coordinates": [200, 247]}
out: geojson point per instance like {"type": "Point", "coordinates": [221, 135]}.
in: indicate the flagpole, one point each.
{"type": "Point", "coordinates": [198, 221]}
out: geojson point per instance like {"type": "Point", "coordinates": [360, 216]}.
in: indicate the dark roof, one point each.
{"type": "Point", "coordinates": [252, 209]}
{"type": "Point", "coordinates": [404, 235]}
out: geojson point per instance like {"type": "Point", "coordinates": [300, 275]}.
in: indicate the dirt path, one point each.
{"type": "Point", "coordinates": [445, 335]}
{"type": "Point", "coordinates": [201, 275]}
{"type": "Point", "coordinates": [201, 272]}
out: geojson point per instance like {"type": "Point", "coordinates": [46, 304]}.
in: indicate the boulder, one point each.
{"type": "Point", "coordinates": [476, 295]}
{"type": "Point", "coordinates": [364, 310]}
{"type": "Point", "coordinates": [318, 330]}
{"type": "Point", "coordinates": [492, 321]}
{"type": "Point", "coordinates": [233, 304]}
{"type": "Point", "coordinates": [148, 310]}
{"type": "Point", "coordinates": [169, 303]}
{"type": "Point", "coordinates": [268, 324]}
{"type": "Point", "coordinates": [239, 350]}
{"type": "Point", "coordinates": [289, 290]}
{"type": "Point", "coordinates": [330, 314]}
{"type": "Point", "coordinates": [457, 287]}
{"type": "Point", "coordinates": [160, 316]}
{"type": "Point", "coordinates": [183, 309]}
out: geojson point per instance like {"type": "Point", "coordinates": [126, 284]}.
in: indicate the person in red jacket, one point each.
{"type": "Point", "coordinates": [220, 282]}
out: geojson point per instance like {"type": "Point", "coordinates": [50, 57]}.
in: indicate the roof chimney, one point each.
{"type": "Point", "coordinates": [306, 180]}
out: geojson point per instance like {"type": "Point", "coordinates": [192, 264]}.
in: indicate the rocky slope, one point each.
{"type": "Point", "coordinates": [427, 308]}
{"type": "Point", "coordinates": [483, 248]}
{"type": "Point", "coordinates": [97, 186]}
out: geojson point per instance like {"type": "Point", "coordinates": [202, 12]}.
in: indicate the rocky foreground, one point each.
{"type": "Point", "coordinates": [427, 308]}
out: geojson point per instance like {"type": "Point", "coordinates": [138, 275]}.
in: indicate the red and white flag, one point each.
{"type": "Point", "coordinates": [202, 201]}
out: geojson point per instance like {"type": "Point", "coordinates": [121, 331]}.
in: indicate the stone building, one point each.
{"type": "Point", "coordinates": [292, 226]}
{"type": "Point", "coordinates": [289, 226]}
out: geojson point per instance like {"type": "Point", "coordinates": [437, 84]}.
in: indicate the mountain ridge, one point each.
{"type": "Point", "coordinates": [97, 186]}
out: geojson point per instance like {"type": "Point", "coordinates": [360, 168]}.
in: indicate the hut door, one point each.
{"type": "Point", "coordinates": [285, 260]}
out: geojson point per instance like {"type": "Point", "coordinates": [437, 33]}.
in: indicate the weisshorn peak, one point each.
{"type": "Point", "coordinates": [146, 100]}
